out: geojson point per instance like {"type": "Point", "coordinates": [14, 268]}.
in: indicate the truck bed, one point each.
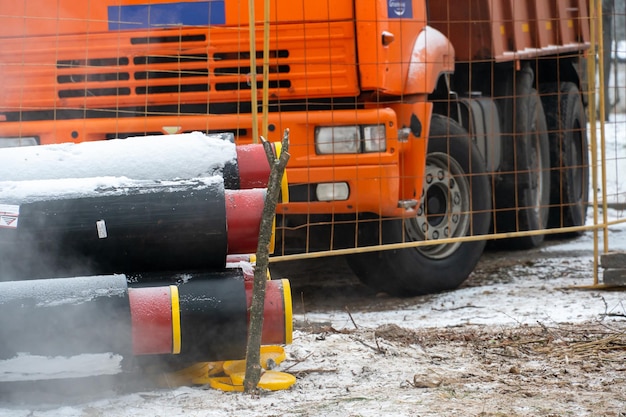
{"type": "Point", "coordinates": [504, 30]}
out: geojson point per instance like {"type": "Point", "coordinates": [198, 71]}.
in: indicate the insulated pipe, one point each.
{"type": "Point", "coordinates": [65, 317]}
{"type": "Point", "coordinates": [198, 320]}
{"type": "Point", "coordinates": [162, 157]}
{"type": "Point", "coordinates": [210, 318]}
{"type": "Point", "coordinates": [138, 227]}
{"type": "Point", "coordinates": [277, 325]}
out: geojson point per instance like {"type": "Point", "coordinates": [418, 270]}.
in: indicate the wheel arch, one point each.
{"type": "Point", "coordinates": [432, 57]}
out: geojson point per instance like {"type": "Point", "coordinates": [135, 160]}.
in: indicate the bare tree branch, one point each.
{"type": "Point", "coordinates": [253, 351]}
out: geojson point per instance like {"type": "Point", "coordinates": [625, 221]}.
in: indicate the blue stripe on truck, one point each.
{"type": "Point", "coordinates": [164, 15]}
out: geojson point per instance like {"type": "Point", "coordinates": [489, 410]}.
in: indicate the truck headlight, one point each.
{"type": "Point", "coordinates": [15, 142]}
{"type": "Point", "coordinates": [374, 138]}
{"type": "Point", "coordinates": [332, 191]}
{"type": "Point", "coordinates": [337, 139]}
{"type": "Point", "coordinates": [350, 139]}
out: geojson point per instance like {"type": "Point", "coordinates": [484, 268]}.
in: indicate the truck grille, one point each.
{"type": "Point", "coordinates": [180, 73]}
{"type": "Point", "coordinates": [174, 67]}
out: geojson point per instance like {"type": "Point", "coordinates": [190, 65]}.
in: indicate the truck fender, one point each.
{"type": "Point", "coordinates": [433, 54]}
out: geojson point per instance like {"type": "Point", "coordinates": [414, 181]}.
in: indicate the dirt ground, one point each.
{"type": "Point", "coordinates": [552, 371]}
{"type": "Point", "coordinates": [568, 370]}
{"type": "Point", "coordinates": [541, 368]}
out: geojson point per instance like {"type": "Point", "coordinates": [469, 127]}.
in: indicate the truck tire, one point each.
{"type": "Point", "coordinates": [569, 157]}
{"type": "Point", "coordinates": [523, 193]}
{"type": "Point", "coordinates": [456, 202]}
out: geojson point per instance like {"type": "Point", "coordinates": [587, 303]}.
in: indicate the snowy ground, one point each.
{"type": "Point", "coordinates": [522, 337]}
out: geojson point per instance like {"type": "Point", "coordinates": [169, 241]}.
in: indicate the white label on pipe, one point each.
{"type": "Point", "coordinates": [9, 214]}
{"type": "Point", "coordinates": [102, 229]}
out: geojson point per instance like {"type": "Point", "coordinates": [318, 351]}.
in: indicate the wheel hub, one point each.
{"type": "Point", "coordinates": [444, 207]}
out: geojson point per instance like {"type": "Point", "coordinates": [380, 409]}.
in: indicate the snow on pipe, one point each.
{"type": "Point", "coordinates": [78, 227]}
{"type": "Point", "coordinates": [163, 157]}
{"type": "Point", "coordinates": [200, 319]}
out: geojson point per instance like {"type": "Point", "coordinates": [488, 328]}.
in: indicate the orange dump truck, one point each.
{"type": "Point", "coordinates": [410, 120]}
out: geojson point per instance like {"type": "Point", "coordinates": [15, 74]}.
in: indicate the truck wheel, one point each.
{"type": "Point", "coordinates": [533, 162]}
{"type": "Point", "coordinates": [523, 194]}
{"type": "Point", "coordinates": [569, 158]}
{"type": "Point", "coordinates": [456, 202]}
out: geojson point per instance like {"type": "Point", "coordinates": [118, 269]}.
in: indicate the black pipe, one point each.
{"type": "Point", "coordinates": [126, 230]}
{"type": "Point", "coordinates": [65, 317]}
{"type": "Point", "coordinates": [203, 318]}
{"type": "Point", "coordinates": [213, 319]}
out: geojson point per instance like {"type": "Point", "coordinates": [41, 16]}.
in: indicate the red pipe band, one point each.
{"type": "Point", "coordinates": [244, 209]}
{"type": "Point", "coordinates": [277, 313]}
{"type": "Point", "coordinates": [151, 320]}
{"type": "Point", "coordinates": [254, 170]}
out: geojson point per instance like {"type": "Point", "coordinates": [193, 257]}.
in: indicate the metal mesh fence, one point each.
{"type": "Point", "coordinates": [419, 131]}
